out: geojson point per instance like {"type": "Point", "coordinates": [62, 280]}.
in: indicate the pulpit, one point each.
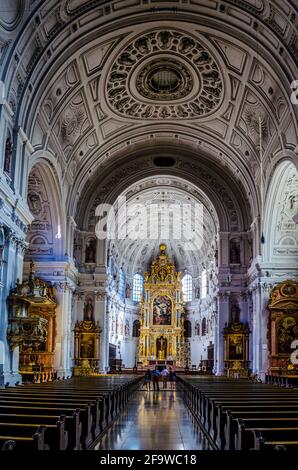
{"type": "Point", "coordinates": [32, 327]}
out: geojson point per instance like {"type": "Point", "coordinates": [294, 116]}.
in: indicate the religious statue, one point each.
{"type": "Point", "coordinates": [235, 251]}
{"type": "Point", "coordinates": [161, 347]}
{"type": "Point", "coordinates": [235, 313]}
{"type": "Point", "coordinates": [88, 310]}
{"type": "Point", "coordinates": [90, 251]}
{"type": "Point", "coordinates": [126, 328]}
{"type": "Point", "coordinates": [127, 291]}
{"type": "Point", "coordinates": [8, 155]}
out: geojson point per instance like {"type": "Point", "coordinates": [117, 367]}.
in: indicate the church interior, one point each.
{"type": "Point", "coordinates": [148, 222]}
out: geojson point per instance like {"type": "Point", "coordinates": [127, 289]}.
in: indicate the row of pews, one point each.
{"type": "Point", "coordinates": [240, 415]}
{"type": "Point", "coordinates": [65, 415]}
{"type": "Point", "coordinates": [282, 380]}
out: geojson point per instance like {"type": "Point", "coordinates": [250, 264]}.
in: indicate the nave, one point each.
{"type": "Point", "coordinates": [155, 420]}
{"type": "Point", "coordinates": [116, 413]}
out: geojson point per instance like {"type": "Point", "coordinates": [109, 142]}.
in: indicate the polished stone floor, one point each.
{"type": "Point", "coordinates": [154, 420]}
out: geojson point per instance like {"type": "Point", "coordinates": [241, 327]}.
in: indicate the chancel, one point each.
{"type": "Point", "coordinates": [148, 225]}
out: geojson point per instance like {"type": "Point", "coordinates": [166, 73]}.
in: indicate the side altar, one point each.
{"type": "Point", "coordinates": [162, 315]}
{"type": "Point", "coordinates": [283, 328]}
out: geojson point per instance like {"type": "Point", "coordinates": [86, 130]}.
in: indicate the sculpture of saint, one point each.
{"type": "Point", "coordinates": [235, 252]}
{"type": "Point", "coordinates": [90, 251]}
{"type": "Point", "coordinates": [8, 155]}
{"type": "Point", "coordinates": [235, 313]}
{"type": "Point", "coordinates": [126, 328]}
{"type": "Point", "coordinates": [127, 291]}
{"type": "Point", "coordinates": [88, 310]}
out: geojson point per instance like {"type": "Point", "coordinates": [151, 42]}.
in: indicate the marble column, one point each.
{"type": "Point", "coordinates": [101, 315]}
{"type": "Point", "coordinates": [222, 318]}
{"type": "Point", "coordinates": [64, 336]}
{"type": "Point", "coordinates": [11, 358]}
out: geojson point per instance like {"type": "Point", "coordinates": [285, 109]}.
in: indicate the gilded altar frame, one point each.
{"type": "Point", "coordinates": [282, 327]}
{"type": "Point", "coordinates": [236, 349]}
{"type": "Point", "coordinates": [162, 343]}
{"type": "Point", "coordinates": [86, 348]}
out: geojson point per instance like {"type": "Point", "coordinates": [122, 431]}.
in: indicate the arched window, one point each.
{"type": "Point", "coordinates": [136, 329]}
{"type": "Point", "coordinates": [187, 288]}
{"type": "Point", "coordinates": [187, 328]}
{"type": "Point", "coordinates": [204, 327]}
{"type": "Point", "coordinates": [121, 288]}
{"type": "Point", "coordinates": [204, 284]}
{"type": "Point", "coordinates": [138, 286]}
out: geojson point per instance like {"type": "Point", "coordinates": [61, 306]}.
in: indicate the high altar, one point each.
{"type": "Point", "coordinates": [162, 315]}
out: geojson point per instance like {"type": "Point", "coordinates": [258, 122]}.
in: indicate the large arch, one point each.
{"type": "Point", "coordinates": [46, 234]}
{"type": "Point", "coordinates": [280, 229]}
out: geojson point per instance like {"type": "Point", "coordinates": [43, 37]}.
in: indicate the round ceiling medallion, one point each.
{"type": "Point", "coordinates": [164, 74]}
{"type": "Point", "coordinates": [164, 79]}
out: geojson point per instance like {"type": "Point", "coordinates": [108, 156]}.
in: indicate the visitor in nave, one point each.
{"type": "Point", "coordinates": [165, 376]}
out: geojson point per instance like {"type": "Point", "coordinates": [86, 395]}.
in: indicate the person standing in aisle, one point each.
{"type": "Point", "coordinates": [172, 377]}
{"type": "Point", "coordinates": [165, 375]}
{"type": "Point", "coordinates": [148, 379]}
{"type": "Point", "coordinates": [156, 375]}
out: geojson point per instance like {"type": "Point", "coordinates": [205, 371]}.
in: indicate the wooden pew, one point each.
{"type": "Point", "coordinates": [87, 405]}
{"type": "Point", "coordinates": [90, 409]}
{"type": "Point", "coordinates": [269, 439]}
{"type": "Point", "coordinates": [26, 439]}
{"type": "Point", "coordinates": [218, 403]}
{"type": "Point", "coordinates": [244, 438]}
{"type": "Point", "coordinates": [55, 436]}
{"type": "Point", "coordinates": [73, 424]}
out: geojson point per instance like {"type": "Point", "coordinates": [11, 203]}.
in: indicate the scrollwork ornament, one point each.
{"type": "Point", "coordinates": [164, 75]}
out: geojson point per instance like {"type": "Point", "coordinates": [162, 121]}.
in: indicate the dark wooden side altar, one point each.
{"type": "Point", "coordinates": [283, 328]}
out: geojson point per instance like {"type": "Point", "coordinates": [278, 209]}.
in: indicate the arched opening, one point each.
{"type": "Point", "coordinates": [46, 234]}
{"type": "Point", "coordinates": [204, 327]}
{"type": "Point", "coordinates": [187, 329]}
{"type": "Point", "coordinates": [136, 329]}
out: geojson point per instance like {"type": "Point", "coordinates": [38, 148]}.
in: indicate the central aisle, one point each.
{"type": "Point", "coordinates": [154, 420]}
